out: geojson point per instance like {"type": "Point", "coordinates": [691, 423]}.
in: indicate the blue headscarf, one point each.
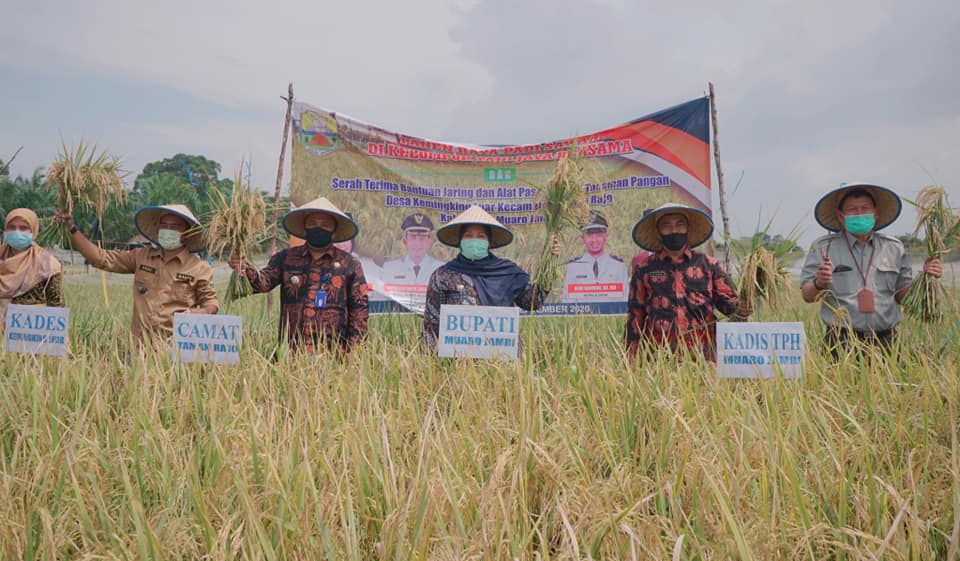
{"type": "Point", "coordinates": [499, 282]}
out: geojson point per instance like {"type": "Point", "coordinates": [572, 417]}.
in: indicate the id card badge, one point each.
{"type": "Point", "coordinates": [865, 301]}
{"type": "Point", "coordinates": [321, 300]}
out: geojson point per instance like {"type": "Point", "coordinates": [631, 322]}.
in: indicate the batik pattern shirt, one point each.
{"type": "Point", "coordinates": [673, 303]}
{"type": "Point", "coordinates": [341, 321]}
{"type": "Point", "coordinates": [450, 287]}
{"type": "Point", "coordinates": [45, 293]}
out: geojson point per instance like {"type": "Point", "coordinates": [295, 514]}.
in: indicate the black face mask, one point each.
{"type": "Point", "coordinates": [318, 237]}
{"type": "Point", "coordinates": [674, 242]}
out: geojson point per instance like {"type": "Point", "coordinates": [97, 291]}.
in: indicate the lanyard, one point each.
{"type": "Point", "coordinates": [856, 262]}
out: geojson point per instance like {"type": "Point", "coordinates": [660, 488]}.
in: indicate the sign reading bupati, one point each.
{"type": "Point", "coordinates": [37, 330]}
{"type": "Point", "coordinates": [401, 188]}
{"type": "Point", "coordinates": [206, 338]}
{"type": "Point", "coordinates": [760, 350]}
{"type": "Point", "coordinates": [479, 331]}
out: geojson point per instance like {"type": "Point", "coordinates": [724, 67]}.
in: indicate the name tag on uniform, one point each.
{"type": "Point", "coordinates": [865, 301]}
{"type": "Point", "coordinates": [321, 300]}
{"type": "Point", "coordinates": [148, 269]}
{"type": "Point", "coordinates": [184, 278]}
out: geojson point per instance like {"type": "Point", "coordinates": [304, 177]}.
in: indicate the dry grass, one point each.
{"type": "Point", "coordinates": [567, 454]}
{"type": "Point", "coordinates": [237, 226]}
{"type": "Point", "coordinates": [85, 178]}
{"type": "Point", "coordinates": [940, 226]}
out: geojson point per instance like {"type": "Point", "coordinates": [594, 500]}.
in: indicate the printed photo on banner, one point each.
{"type": "Point", "coordinates": [400, 189]}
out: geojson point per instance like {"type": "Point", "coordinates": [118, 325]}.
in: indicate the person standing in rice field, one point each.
{"type": "Point", "coordinates": [675, 291]}
{"type": "Point", "coordinates": [323, 292]}
{"type": "Point", "coordinates": [167, 279]}
{"type": "Point", "coordinates": [859, 274]}
{"type": "Point", "coordinates": [29, 274]}
{"type": "Point", "coordinates": [476, 277]}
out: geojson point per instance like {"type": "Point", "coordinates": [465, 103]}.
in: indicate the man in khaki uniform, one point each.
{"type": "Point", "coordinates": [862, 274]}
{"type": "Point", "coordinates": [168, 279]}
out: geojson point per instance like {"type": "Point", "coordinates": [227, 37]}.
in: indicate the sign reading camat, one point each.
{"type": "Point", "coordinates": [37, 330]}
{"type": "Point", "coordinates": [760, 350]}
{"type": "Point", "coordinates": [206, 338]}
{"type": "Point", "coordinates": [478, 331]}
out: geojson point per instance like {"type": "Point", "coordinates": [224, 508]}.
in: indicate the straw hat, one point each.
{"type": "Point", "coordinates": [294, 220]}
{"type": "Point", "coordinates": [888, 205]}
{"type": "Point", "coordinates": [147, 220]}
{"type": "Point", "coordinates": [450, 233]}
{"type": "Point", "coordinates": [647, 236]}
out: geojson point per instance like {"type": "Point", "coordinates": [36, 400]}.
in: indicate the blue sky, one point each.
{"type": "Point", "coordinates": [810, 94]}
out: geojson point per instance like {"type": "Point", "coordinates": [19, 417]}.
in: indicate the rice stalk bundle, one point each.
{"type": "Point", "coordinates": [564, 207]}
{"type": "Point", "coordinates": [926, 297]}
{"type": "Point", "coordinates": [764, 276]}
{"type": "Point", "coordinates": [84, 178]}
{"type": "Point", "coordinates": [237, 224]}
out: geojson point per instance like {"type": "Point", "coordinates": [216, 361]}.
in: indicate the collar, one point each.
{"type": "Point", "coordinates": [181, 253]}
{"type": "Point", "coordinates": [855, 240]}
{"type": "Point", "coordinates": [664, 256]}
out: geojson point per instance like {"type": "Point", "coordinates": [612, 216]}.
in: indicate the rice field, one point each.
{"type": "Point", "coordinates": [569, 453]}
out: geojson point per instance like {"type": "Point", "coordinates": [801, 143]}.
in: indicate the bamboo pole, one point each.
{"type": "Point", "coordinates": [276, 191]}
{"type": "Point", "coordinates": [723, 195]}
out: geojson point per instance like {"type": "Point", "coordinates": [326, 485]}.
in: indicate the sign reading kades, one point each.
{"type": "Point", "coordinates": [206, 338]}
{"type": "Point", "coordinates": [760, 350]}
{"type": "Point", "coordinates": [37, 330]}
{"type": "Point", "coordinates": [479, 331]}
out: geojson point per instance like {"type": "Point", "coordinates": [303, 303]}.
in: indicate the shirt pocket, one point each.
{"type": "Point", "coordinates": [885, 278]}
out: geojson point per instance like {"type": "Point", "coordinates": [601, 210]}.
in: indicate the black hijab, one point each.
{"type": "Point", "coordinates": [499, 282]}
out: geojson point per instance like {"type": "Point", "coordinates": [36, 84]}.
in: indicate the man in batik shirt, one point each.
{"type": "Point", "coordinates": [675, 291]}
{"type": "Point", "coordinates": [323, 294]}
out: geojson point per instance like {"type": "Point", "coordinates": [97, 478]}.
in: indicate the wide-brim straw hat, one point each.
{"type": "Point", "coordinates": [294, 220]}
{"type": "Point", "coordinates": [148, 218]}
{"type": "Point", "coordinates": [450, 233]}
{"type": "Point", "coordinates": [888, 205]}
{"type": "Point", "coordinates": [647, 236]}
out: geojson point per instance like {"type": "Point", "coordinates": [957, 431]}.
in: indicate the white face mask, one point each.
{"type": "Point", "coordinates": [169, 239]}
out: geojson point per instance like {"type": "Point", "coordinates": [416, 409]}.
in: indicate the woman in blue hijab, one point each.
{"type": "Point", "coordinates": [476, 277]}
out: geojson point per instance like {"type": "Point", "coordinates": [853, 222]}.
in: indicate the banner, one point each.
{"type": "Point", "coordinates": [400, 188]}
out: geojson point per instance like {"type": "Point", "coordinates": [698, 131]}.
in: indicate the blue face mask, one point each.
{"type": "Point", "coordinates": [859, 224]}
{"type": "Point", "coordinates": [474, 248]}
{"type": "Point", "coordinates": [18, 240]}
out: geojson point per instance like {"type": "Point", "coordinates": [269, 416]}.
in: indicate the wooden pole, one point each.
{"type": "Point", "coordinates": [276, 191]}
{"type": "Point", "coordinates": [723, 195]}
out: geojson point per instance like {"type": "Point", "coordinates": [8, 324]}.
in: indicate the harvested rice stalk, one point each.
{"type": "Point", "coordinates": [926, 298]}
{"type": "Point", "coordinates": [564, 208]}
{"type": "Point", "coordinates": [236, 226]}
{"type": "Point", "coordinates": [764, 277]}
{"type": "Point", "coordinates": [85, 178]}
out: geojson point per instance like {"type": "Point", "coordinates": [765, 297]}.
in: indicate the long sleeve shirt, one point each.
{"type": "Point", "coordinates": [674, 303]}
{"type": "Point", "coordinates": [339, 321]}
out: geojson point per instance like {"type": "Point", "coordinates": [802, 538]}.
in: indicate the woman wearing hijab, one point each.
{"type": "Point", "coordinates": [476, 277]}
{"type": "Point", "coordinates": [29, 274]}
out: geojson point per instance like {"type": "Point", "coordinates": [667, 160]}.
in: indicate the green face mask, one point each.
{"type": "Point", "coordinates": [859, 224]}
{"type": "Point", "coordinates": [474, 248]}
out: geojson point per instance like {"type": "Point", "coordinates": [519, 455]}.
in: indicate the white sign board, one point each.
{"type": "Point", "coordinates": [760, 350]}
{"type": "Point", "coordinates": [206, 338]}
{"type": "Point", "coordinates": [37, 330]}
{"type": "Point", "coordinates": [479, 331]}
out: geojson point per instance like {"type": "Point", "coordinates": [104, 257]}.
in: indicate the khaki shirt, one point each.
{"type": "Point", "coordinates": [160, 288]}
{"type": "Point", "coordinates": [889, 273]}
